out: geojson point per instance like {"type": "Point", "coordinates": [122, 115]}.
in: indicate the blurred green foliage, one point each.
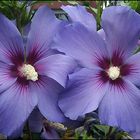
{"type": "Point", "coordinates": [92, 129]}
{"type": "Point", "coordinates": [133, 4]}
{"type": "Point", "coordinates": [101, 132]}
{"type": "Point", "coordinates": [19, 11]}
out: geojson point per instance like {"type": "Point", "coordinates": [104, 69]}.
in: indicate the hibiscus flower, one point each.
{"type": "Point", "coordinates": [32, 75]}
{"type": "Point", "coordinates": [111, 72]}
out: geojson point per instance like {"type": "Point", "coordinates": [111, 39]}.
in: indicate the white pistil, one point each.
{"type": "Point", "coordinates": [29, 72]}
{"type": "Point", "coordinates": [113, 72]}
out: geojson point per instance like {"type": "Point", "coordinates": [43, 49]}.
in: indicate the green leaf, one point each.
{"type": "Point", "coordinates": [93, 9]}
{"type": "Point", "coordinates": [104, 128]}
{"type": "Point", "coordinates": [72, 2]}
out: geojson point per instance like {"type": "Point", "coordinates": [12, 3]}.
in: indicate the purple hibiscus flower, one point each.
{"type": "Point", "coordinates": [30, 76]}
{"type": "Point", "coordinates": [110, 71]}
{"type": "Point", "coordinates": [80, 14]}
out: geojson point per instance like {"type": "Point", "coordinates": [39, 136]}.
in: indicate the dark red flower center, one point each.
{"type": "Point", "coordinates": [24, 73]}
{"type": "Point", "coordinates": [113, 69]}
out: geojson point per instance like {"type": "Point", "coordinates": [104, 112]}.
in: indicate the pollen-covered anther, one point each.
{"type": "Point", "coordinates": [29, 72]}
{"type": "Point", "coordinates": [113, 72]}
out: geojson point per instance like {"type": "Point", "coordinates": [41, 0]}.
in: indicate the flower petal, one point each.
{"type": "Point", "coordinates": [133, 69]}
{"type": "Point", "coordinates": [102, 33]}
{"type": "Point", "coordinates": [35, 121]}
{"type": "Point", "coordinates": [26, 29]}
{"type": "Point", "coordinates": [11, 44]}
{"type": "Point", "coordinates": [6, 76]}
{"type": "Point", "coordinates": [135, 135]}
{"type": "Point", "coordinates": [56, 67]}
{"type": "Point", "coordinates": [16, 104]}
{"type": "Point", "coordinates": [49, 133]}
{"type": "Point", "coordinates": [79, 14]}
{"type": "Point", "coordinates": [121, 107]}
{"type": "Point", "coordinates": [43, 28]}
{"type": "Point", "coordinates": [121, 26]}
{"type": "Point", "coordinates": [83, 94]}
{"type": "Point", "coordinates": [17, 133]}
{"type": "Point", "coordinates": [85, 46]}
{"type": "Point", "coordinates": [48, 91]}
{"type": "Point", "coordinates": [138, 43]}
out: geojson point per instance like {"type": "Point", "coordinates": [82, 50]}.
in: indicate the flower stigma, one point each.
{"type": "Point", "coordinates": [113, 72]}
{"type": "Point", "coordinates": [29, 72]}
